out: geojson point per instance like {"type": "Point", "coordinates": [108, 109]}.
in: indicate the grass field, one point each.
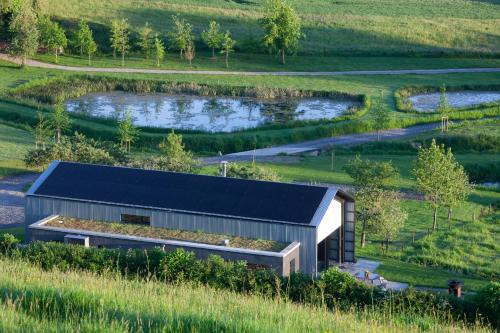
{"type": "Point", "coordinates": [37, 301]}
{"type": "Point", "coordinates": [14, 143]}
{"type": "Point", "coordinates": [343, 27]}
{"type": "Point", "coordinates": [262, 62]}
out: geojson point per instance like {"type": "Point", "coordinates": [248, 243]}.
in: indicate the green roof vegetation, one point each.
{"type": "Point", "coordinates": [167, 234]}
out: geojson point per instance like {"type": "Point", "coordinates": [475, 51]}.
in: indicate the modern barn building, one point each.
{"type": "Point", "coordinates": [317, 222]}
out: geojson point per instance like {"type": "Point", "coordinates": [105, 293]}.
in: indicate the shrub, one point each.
{"type": "Point", "coordinates": [8, 244]}
{"type": "Point", "coordinates": [488, 302]}
{"type": "Point", "coordinates": [180, 265]}
{"type": "Point", "coordinates": [343, 289]}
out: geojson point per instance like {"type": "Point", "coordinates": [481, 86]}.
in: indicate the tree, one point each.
{"type": "Point", "coordinates": [85, 40]}
{"type": "Point", "coordinates": [159, 50]}
{"type": "Point", "coordinates": [458, 186]}
{"type": "Point", "coordinates": [368, 173]}
{"type": "Point", "coordinates": [42, 131]}
{"type": "Point", "coordinates": [282, 28]}
{"type": "Point", "coordinates": [60, 120]}
{"type": "Point", "coordinates": [146, 40]}
{"type": "Point", "coordinates": [190, 53]}
{"type": "Point", "coordinates": [227, 46]}
{"type": "Point", "coordinates": [89, 45]}
{"type": "Point", "coordinates": [52, 36]}
{"type": "Point", "coordinates": [24, 27]}
{"type": "Point", "coordinates": [119, 37]}
{"type": "Point", "coordinates": [182, 36]}
{"type": "Point", "coordinates": [251, 171]}
{"type": "Point", "coordinates": [370, 178]}
{"type": "Point", "coordinates": [440, 178]}
{"type": "Point", "coordinates": [380, 212]}
{"type": "Point", "coordinates": [127, 132]}
{"type": "Point", "coordinates": [380, 119]}
{"type": "Point", "coordinates": [391, 218]}
{"type": "Point", "coordinates": [443, 106]}
{"type": "Point", "coordinates": [80, 35]}
{"type": "Point", "coordinates": [174, 157]}
{"type": "Point", "coordinates": [212, 36]}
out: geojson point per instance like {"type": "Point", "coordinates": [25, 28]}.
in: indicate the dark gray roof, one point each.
{"type": "Point", "coordinates": [248, 199]}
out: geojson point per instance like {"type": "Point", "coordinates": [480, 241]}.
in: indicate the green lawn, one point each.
{"type": "Point", "coordinates": [263, 62]}
{"type": "Point", "coordinates": [14, 143]}
{"type": "Point", "coordinates": [342, 27]}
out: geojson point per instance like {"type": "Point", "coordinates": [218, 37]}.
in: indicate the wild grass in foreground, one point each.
{"type": "Point", "coordinates": [36, 300]}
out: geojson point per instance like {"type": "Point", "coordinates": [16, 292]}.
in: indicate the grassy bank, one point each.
{"type": "Point", "coordinates": [369, 27]}
{"type": "Point", "coordinates": [14, 142]}
{"type": "Point", "coordinates": [75, 298]}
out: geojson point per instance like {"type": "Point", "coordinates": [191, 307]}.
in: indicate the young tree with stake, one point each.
{"type": "Point", "coordinates": [159, 50]}
{"type": "Point", "coordinates": [60, 120]}
{"type": "Point", "coordinates": [127, 132]}
{"type": "Point", "coordinates": [182, 36]}
{"type": "Point", "coordinates": [120, 37]}
{"type": "Point", "coordinates": [85, 40]}
{"type": "Point", "coordinates": [24, 28]}
{"type": "Point", "coordinates": [146, 40]}
{"type": "Point", "coordinates": [227, 46]}
{"type": "Point", "coordinates": [212, 36]}
{"type": "Point", "coordinates": [282, 28]}
{"type": "Point", "coordinates": [53, 37]}
{"type": "Point", "coordinates": [42, 131]}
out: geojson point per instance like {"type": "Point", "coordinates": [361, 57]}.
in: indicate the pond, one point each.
{"type": "Point", "coordinates": [212, 114]}
{"type": "Point", "coordinates": [456, 99]}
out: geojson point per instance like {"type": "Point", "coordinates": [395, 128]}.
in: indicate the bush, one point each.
{"type": "Point", "coordinates": [343, 289]}
{"type": "Point", "coordinates": [333, 288]}
{"type": "Point", "coordinates": [8, 244]}
{"type": "Point", "coordinates": [180, 265]}
{"type": "Point", "coordinates": [488, 302]}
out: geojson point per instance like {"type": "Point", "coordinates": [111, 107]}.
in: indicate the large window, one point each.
{"type": "Point", "coordinates": [135, 219]}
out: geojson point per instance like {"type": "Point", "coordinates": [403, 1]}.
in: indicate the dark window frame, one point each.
{"type": "Point", "coordinates": [135, 219]}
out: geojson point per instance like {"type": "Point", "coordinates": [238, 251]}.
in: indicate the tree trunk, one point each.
{"type": "Point", "coordinates": [363, 235]}
{"type": "Point", "coordinates": [181, 54]}
{"type": "Point", "coordinates": [449, 216]}
{"type": "Point", "coordinates": [378, 135]}
{"type": "Point", "coordinates": [57, 52]}
{"type": "Point", "coordinates": [81, 50]}
{"type": "Point", "coordinates": [387, 246]}
{"type": "Point", "coordinates": [283, 56]}
{"type": "Point", "coordinates": [434, 220]}
{"type": "Point", "coordinates": [58, 135]}
{"type": "Point", "coordinates": [157, 62]}
{"type": "Point", "coordinates": [114, 53]}
{"type": "Point", "coordinates": [227, 59]}
{"type": "Point", "coordinates": [89, 59]}
{"type": "Point", "coordinates": [123, 58]}
{"type": "Point", "coordinates": [213, 52]}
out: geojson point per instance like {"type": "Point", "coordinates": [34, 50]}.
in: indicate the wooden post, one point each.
{"type": "Point", "coordinates": [473, 216]}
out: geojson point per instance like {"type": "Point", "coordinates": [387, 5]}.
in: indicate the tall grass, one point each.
{"type": "Point", "coordinates": [111, 303]}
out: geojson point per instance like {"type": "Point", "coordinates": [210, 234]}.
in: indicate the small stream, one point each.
{"type": "Point", "coordinates": [211, 114]}
{"type": "Point", "coordinates": [456, 99]}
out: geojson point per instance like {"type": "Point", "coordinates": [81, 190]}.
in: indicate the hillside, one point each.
{"type": "Point", "coordinates": [368, 27]}
{"type": "Point", "coordinates": [37, 301]}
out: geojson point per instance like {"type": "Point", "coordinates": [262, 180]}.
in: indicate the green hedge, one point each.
{"type": "Point", "coordinates": [333, 288]}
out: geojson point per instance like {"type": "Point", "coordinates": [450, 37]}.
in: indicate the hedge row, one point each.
{"type": "Point", "coordinates": [333, 288]}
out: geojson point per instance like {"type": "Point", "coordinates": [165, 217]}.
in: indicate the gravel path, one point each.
{"type": "Point", "coordinates": [39, 64]}
{"type": "Point", "coordinates": [269, 154]}
{"type": "Point", "coordinates": [12, 198]}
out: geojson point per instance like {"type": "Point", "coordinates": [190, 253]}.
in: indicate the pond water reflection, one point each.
{"type": "Point", "coordinates": [213, 114]}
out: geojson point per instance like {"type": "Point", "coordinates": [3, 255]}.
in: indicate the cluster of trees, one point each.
{"type": "Point", "coordinates": [378, 208]}
{"type": "Point", "coordinates": [442, 180]}
{"type": "Point", "coordinates": [31, 29]}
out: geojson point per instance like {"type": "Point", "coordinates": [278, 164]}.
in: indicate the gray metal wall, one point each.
{"type": "Point", "coordinates": [41, 207]}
